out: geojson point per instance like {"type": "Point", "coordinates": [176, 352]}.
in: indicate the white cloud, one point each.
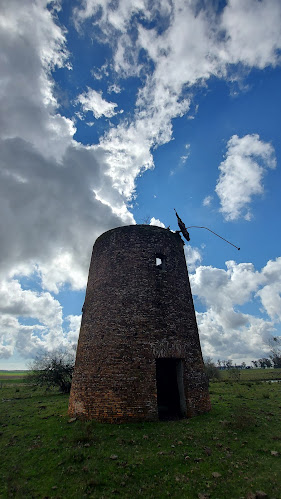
{"type": "Point", "coordinates": [31, 45]}
{"type": "Point", "coordinates": [55, 216]}
{"type": "Point", "coordinates": [17, 303]}
{"type": "Point", "coordinates": [193, 257]}
{"type": "Point", "coordinates": [114, 88]}
{"type": "Point", "coordinates": [186, 46]}
{"type": "Point", "coordinates": [93, 101]}
{"type": "Point", "coordinates": [220, 289]}
{"type": "Point", "coordinates": [248, 40]}
{"type": "Point", "coordinates": [271, 299]}
{"type": "Point", "coordinates": [188, 42]}
{"type": "Point", "coordinates": [10, 330]}
{"type": "Point", "coordinates": [50, 214]}
{"type": "Point", "coordinates": [245, 340]}
{"type": "Point", "coordinates": [63, 268]}
{"type": "Point", "coordinates": [241, 174]}
{"type": "Point", "coordinates": [27, 303]}
{"type": "Point", "coordinates": [195, 42]}
{"type": "Point", "coordinates": [270, 294]}
{"type": "Point", "coordinates": [44, 329]}
{"type": "Point", "coordinates": [157, 222]}
{"type": "Point", "coordinates": [207, 201]}
{"type": "Point", "coordinates": [118, 17]}
{"type": "Point", "coordinates": [224, 329]}
{"type": "Point", "coordinates": [182, 161]}
{"type": "Point", "coordinates": [74, 322]}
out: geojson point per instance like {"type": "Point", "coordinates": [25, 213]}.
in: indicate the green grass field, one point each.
{"type": "Point", "coordinates": [230, 452]}
{"type": "Point", "coordinates": [12, 374]}
{"type": "Point", "coordinates": [12, 377]}
{"type": "Point", "coordinates": [253, 374]}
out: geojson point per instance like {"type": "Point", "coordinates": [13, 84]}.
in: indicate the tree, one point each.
{"type": "Point", "coordinates": [275, 355]}
{"type": "Point", "coordinates": [264, 362]}
{"type": "Point", "coordinates": [234, 374]}
{"type": "Point", "coordinates": [268, 362]}
{"type": "Point", "coordinates": [211, 369]}
{"type": "Point", "coordinates": [255, 362]}
{"type": "Point", "coordinates": [229, 364]}
{"type": "Point", "coordinates": [276, 360]}
{"type": "Point", "coordinates": [53, 369]}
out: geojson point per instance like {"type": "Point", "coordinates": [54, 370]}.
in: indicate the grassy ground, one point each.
{"type": "Point", "coordinates": [230, 452]}
{"type": "Point", "coordinates": [252, 374]}
{"type": "Point", "coordinates": [12, 377]}
{"type": "Point", "coordinates": [7, 375]}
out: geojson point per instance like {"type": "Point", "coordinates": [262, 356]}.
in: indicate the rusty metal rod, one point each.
{"type": "Point", "coordinates": [198, 227]}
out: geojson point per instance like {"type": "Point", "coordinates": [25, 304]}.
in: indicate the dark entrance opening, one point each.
{"type": "Point", "coordinates": [170, 389]}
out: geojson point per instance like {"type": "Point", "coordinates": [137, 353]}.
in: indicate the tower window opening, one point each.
{"type": "Point", "coordinates": [160, 261]}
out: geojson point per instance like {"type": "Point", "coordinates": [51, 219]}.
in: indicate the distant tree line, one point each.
{"type": "Point", "coordinates": [274, 358]}
{"type": "Point", "coordinates": [213, 369]}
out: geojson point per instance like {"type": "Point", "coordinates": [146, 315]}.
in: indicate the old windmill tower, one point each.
{"type": "Point", "coordinates": [138, 355]}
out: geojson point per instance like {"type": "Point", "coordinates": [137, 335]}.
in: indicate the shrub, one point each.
{"type": "Point", "coordinates": [53, 369]}
{"type": "Point", "coordinates": [234, 374]}
{"type": "Point", "coordinates": [211, 369]}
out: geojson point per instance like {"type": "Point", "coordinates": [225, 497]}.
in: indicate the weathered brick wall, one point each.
{"type": "Point", "coordinates": [134, 313]}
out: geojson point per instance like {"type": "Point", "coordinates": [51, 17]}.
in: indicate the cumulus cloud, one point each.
{"type": "Point", "coordinates": [50, 212]}
{"type": "Point", "coordinates": [270, 294]}
{"type": "Point", "coordinates": [31, 46]}
{"type": "Point", "coordinates": [32, 322]}
{"type": "Point", "coordinates": [185, 44]}
{"type": "Point", "coordinates": [241, 174]}
{"type": "Point", "coordinates": [247, 342]}
{"type": "Point", "coordinates": [188, 41]}
{"type": "Point", "coordinates": [157, 222]}
{"type": "Point", "coordinates": [218, 288]}
{"type": "Point", "coordinates": [74, 323]}
{"type": "Point", "coordinates": [27, 304]}
{"type": "Point", "coordinates": [193, 257]}
{"type": "Point", "coordinates": [93, 101]}
{"type": "Point", "coordinates": [223, 326]}
{"type": "Point", "coordinates": [54, 208]}
{"type": "Point", "coordinates": [248, 40]}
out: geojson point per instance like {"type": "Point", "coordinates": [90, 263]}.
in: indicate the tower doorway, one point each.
{"type": "Point", "coordinates": [170, 390]}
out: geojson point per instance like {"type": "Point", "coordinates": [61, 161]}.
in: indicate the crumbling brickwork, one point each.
{"type": "Point", "coordinates": [138, 310]}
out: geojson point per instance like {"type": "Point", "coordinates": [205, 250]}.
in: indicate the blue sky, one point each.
{"type": "Point", "coordinates": [115, 113]}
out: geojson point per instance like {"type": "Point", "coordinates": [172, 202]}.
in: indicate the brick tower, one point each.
{"type": "Point", "coordinates": [138, 355]}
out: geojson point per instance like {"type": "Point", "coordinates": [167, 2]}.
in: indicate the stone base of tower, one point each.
{"type": "Point", "coordinates": [138, 399]}
{"type": "Point", "coordinates": [108, 410]}
{"type": "Point", "coordinates": [105, 412]}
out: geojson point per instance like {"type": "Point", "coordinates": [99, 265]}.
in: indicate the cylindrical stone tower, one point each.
{"type": "Point", "coordinates": [138, 355]}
